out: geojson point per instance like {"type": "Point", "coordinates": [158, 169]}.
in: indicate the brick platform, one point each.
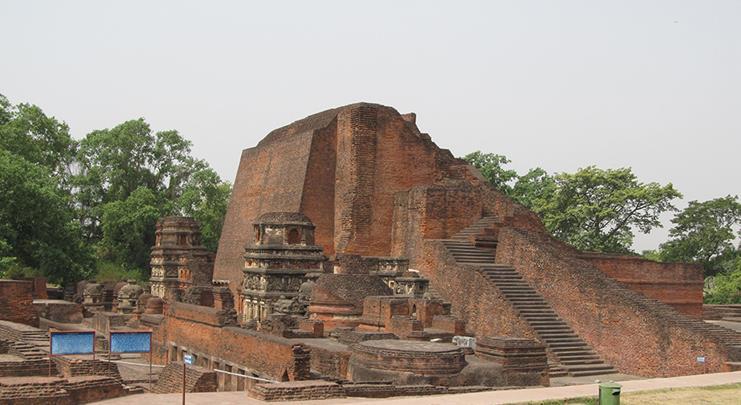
{"type": "Point", "coordinates": [297, 390]}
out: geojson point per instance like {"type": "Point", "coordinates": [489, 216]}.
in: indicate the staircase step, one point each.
{"type": "Point", "coordinates": [547, 336]}
{"type": "Point", "coordinates": [568, 347]}
{"type": "Point", "coordinates": [581, 362]}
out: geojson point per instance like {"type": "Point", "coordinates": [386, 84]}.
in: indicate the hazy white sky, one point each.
{"type": "Point", "coordinates": [655, 85]}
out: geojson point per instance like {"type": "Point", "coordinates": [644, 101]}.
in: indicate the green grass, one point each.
{"type": "Point", "coordinates": [649, 397]}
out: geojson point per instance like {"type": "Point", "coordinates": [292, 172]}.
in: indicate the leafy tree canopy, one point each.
{"type": "Point", "coordinates": [37, 225]}
{"type": "Point", "coordinates": [64, 200]}
{"type": "Point", "coordinates": [592, 209]}
{"type": "Point", "coordinates": [27, 132]}
{"type": "Point", "coordinates": [128, 228]}
{"type": "Point", "coordinates": [205, 198]}
{"type": "Point", "coordinates": [492, 168]}
{"type": "Point", "coordinates": [706, 233]}
{"type": "Point", "coordinates": [595, 209]}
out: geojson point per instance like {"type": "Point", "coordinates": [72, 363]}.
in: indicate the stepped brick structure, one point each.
{"type": "Point", "coordinates": [374, 185]}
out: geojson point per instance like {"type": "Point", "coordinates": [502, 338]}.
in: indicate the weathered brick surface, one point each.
{"type": "Point", "coordinates": [25, 368]}
{"type": "Point", "coordinates": [677, 284]}
{"type": "Point", "coordinates": [197, 379]}
{"type": "Point", "coordinates": [16, 302]}
{"type": "Point", "coordinates": [46, 391]}
{"type": "Point", "coordinates": [341, 168]}
{"type": "Point", "coordinates": [202, 329]}
{"type": "Point", "coordinates": [84, 390]}
{"type": "Point", "coordinates": [375, 185]}
{"type": "Point", "coordinates": [58, 391]}
{"type": "Point", "coordinates": [58, 310]}
{"type": "Point", "coordinates": [474, 299]}
{"type": "Point", "coordinates": [76, 367]}
{"type": "Point", "coordinates": [297, 390]}
{"type": "Point", "coordinates": [631, 332]}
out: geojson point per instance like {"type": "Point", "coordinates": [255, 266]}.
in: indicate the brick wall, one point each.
{"type": "Point", "coordinates": [341, 168]}
{"type": "Point", "coordinates": [49, 391]}
{"type": "Point", "coordinates": [26, 368]}
{"type": "Point", "coordinates": [677, 284]}
{"type": "Point", "coordinates": [379, 154]}
{"type": "Point", "coordinates": [201, 329]}
{"type": "Point", "coordinates": [633, 333]}
{"type": "Point", "coordinates": [432, 212]}
{"type": "Point", "coordinates": [16, 302]}
{"type": "Point", "coordinates": [297, 390]}
{"type": "Point", "coordinates": [83, 390]}
{"type": "Point", "coordinates": [74, 367]}
{"type": "Point", "coordinates": [474, 299]}
{"type": "Point", "coordinates": [279, 166]}
{"type": "Point", "coordinates": [197, 379]}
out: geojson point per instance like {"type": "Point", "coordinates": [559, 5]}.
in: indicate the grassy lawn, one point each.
{"type": "Point", "coordinates": [718, 394]}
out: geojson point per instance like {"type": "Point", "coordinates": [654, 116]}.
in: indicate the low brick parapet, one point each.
{"type": "Point", "coordinates": [297, 390]}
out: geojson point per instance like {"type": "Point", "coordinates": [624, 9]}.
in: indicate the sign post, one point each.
{"type": "Point", "coordinates": [131, 341]}
{"type": "Point", "coordinates": [71, 342]}
{"type": "Point", "coordinates": [187, 359]}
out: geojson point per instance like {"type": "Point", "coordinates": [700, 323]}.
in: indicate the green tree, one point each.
{"type": "Point", "coordinates": [37, 225]}
{"type": "Point", "coordinates": [129, 177]}
{"type": "Point", "coordinates": [725, 288]}
{"type": "Point", "coordinates": [205, 198]}
{"type": "Point", "coordinates": [596, 210]}
{"type": "Point", "coordinates": [115, 162]}
{"type": "Point", "coordinates": [706, 233]}
{"type": "Point", "coordinates": [29, 133]}
{"type": "Point", "coordinates": [492, 168]}
{"type": "Point", "coordinates": [128, 228]}
{"type": "Point", "coordinates": [534, 190]}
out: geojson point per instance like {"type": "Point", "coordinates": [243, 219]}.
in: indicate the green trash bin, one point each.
{"type": "Point", "coordinates": [609, 393]}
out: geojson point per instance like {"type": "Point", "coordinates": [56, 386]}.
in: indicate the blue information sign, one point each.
{"type": "Point", "coordinates": [82, 342]}
{"type": "Point", "coordinates": [131, 342]}
{"type": "Point", "coordinates": [188, 359]}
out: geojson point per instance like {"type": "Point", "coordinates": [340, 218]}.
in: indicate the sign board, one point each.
{"type": "Point", "coordinates": [72, 342]}
{"type": "Point", "coordinates": [464, 341]}
{"type": "Point", "coordinates": [131, 341]}
{"type": "Point", "coordinates": [701, 359]}
{"type": "Point", "coordinates": [188, 359]}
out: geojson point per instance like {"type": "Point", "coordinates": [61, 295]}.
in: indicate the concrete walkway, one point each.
{"type": "Point", "coordinates": [490, 397]}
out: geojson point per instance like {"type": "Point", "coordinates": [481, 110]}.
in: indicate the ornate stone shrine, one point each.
{"type": "Point", "coordinates": [281, 258]}
{"type": "Point", "coordinates": [179, 261]}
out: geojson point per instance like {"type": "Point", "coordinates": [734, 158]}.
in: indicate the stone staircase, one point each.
{"type": "Point", "coordinates": [573, 356]}
{"type": "Point", "coordinates": [27, 350]}
{"type": "Point", "coordinates": [728, 313]}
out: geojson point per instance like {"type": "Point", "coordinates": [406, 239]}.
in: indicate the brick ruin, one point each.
{"type": "Point", "coordinates": [374, 185]}
{"type": "Point", "coordinates": [179, 261]}
{"type": "Point", "coordinates": [357, 258]}
{"type": "Point", "coordinates": [355, 251]}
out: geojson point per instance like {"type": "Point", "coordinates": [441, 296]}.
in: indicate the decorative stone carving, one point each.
{"type": "Point", "coordinates": [178, 259]}
{"type": "Point", "coordinates": [276, 265]}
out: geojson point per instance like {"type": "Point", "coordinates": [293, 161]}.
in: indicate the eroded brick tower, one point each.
{"type": "Point", "coordinates": [178, 259]}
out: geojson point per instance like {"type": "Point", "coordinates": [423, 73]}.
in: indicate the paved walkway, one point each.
{"type": "Point", "coordinates": [491, 397]}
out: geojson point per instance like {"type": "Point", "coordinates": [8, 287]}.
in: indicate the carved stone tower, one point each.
{"type": "Point", "coordinates": [282, 256]}
{"type": "Point", "coordinates": [179, 261]}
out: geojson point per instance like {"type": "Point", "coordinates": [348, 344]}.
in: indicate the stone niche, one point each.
{"type": "Point", "coordinates": [179, 260]}
{"type": "Point", "coordinates": [282, 257]}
